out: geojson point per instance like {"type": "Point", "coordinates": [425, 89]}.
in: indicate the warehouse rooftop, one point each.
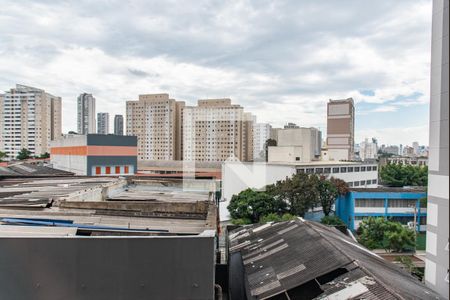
{"type": "Point", "coordinates": [307, 260]}
{"type": "Point", "coordinates": [102, 205]}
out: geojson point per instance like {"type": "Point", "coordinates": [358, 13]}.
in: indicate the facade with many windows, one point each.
{"type": "Point", "coordinates": [403, 205]}
{"type": "Point", "coordinates": [29, 118]}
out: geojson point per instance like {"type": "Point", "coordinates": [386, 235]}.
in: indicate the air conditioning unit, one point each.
{"type": "Point", "coordinates": [411, 225]}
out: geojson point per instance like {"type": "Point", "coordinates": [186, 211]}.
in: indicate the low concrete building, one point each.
{"type": "Point", "coordinates": [397, 204]}
{"type": "Point", "coordinates": [296, 144]}
{"type": "Point", "coordinates": [95, 155]}
{"type": "Point", "coordinates": [107, 238]}
{"type": "Point", "coordinates": [238, 176]}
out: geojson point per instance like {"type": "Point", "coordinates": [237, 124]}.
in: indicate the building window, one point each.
{"type": "Point", "coordinates": [300, 171]}
{"type": "Point", "coordinates": [374, 181]}
{"type": "Point", "coordinates": [374, 168]}
{"type": "Point", "coordinates": [350, 184]}
{"type": "Point", "coordinates": [401, 203]}
{"type": "Point", "coordinates": [117, 169]}
{"type": "Point", "coordinates": [309, 170]}
{"type": "Point", "coordinates": [356, 169]}
{"type": "Point", "coordinates": [126, 170]}
{"type": "Point", "coordinates": [107, 170]}
{"type": "Point", "coordinates": [363, 169]}
{"type": "Point", "coordinates": [363, 182]}
{"type": "Point", "coordinates": [369, 203]}
{"type": "Point", "coordinates": [335, 170]}
{"type": "Point", "coordinates": [356, 183]}
{"type": "Point", "coordinates": [350, 169]}
{"type": "Point", "coordinates": [327, 170]}
{"type": "Point", "coordinates": [319, 170]}
{"type": "Point", "coordinates": [343, 169]}
{"type": "Point", "coordinates": [369, 168]}
{"type": "Point", "coordinates": [98, 170]}
{"type": "Point", "coordinates": [297, 158]}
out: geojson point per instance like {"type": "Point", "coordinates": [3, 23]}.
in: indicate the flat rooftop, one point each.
{"type": "Point", "coordinates": [102, 205]}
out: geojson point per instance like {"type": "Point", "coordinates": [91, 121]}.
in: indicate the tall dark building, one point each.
{"type": "Point", "coordinates": [85, 114]}
{"type": "Point", "coordinates": [118, 125]}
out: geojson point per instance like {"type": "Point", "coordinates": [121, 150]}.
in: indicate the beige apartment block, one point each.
{"type": "Point", "coordinates": [154, 120]}
{"type": "Point", "coordinates": [30, 119]}
{"type": "Point", "coordinates": [341, 129]}
{"type": "Point", "coordinates": [216, 130]}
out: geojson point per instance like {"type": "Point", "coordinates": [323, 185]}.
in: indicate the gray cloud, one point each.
{"type": "Point", "coordinates": [282, 59]}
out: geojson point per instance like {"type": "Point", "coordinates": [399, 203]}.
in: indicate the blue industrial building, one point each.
{"type": "Point", "coordinates": [397, 204]}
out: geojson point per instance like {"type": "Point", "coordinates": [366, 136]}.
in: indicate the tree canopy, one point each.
{"type": "Point", "coordinates": [378, 233]}
{"type": "Point", "coordinates": [295, 195]}
{"type": "Point", "coordinates": [399, 175]}
{"type": "Point", "coordinates": [3, 155]}
{"type": "Point", "coordinates": [332, 220]}
{"type": "Point", "coordinates": [251, 205]}
{"type": "Point", "coordinates": [24, 154]}
{"type": "Point", "coordinates": [45, 155]}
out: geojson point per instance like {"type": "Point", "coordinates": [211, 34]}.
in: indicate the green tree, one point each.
{"type": "Point", "coordinates": [408, 264]}
{"type": "Point", "coordinates": [3, 155]}
{"type": "Point", "coordinates": [24, 154]}
{"type": "Point", "coordinates": [380, 233]}
{"type": "Point", "coordinates": [327, 193]}
{"type": "Point", "coordinates": [272, 217]}
{"type": "Point", "coordinates": [45, 155]}
{"type": "Point", "coordinates": [332, 220]}
{"type": "Point", "coordinates": [300, 192]}
{"type": "Point", "coordinates": [399, 175]}
{"type": "Point", "coordinates": [252, 205]}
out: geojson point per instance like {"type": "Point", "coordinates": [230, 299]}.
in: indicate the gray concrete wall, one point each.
{"type": "Point", "coordinates": [111, 140]}
{"type": "Point", "coordinates": [107, 268]}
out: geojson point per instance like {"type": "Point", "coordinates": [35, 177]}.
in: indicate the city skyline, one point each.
{"type": "Point", "coordinates": [372, 52]}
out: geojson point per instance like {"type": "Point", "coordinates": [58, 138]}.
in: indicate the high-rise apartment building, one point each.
{"type": "Point", "coordinates": [118, 125]}
{"type": "Point", "coordinates": [341, 129]}
{"type": "Point", "coordinates": [437, 250]}
{"type": "Point", "coordinates": [368, 150]}
{"type": "Point", "coordinates": [30, 118]}
{"type": "Point", "coordinates": [102, 123]}
{"type": "Point", "coordinates": [216, 130]}
{"type": "Point", "coordinates": [416, 147]}
{"type": "Point", "coordinates": [85, 114]}
{"type": "Point", "coordinates": [261, 133]}
{"type": "Point", "coordinates": [154, 120]}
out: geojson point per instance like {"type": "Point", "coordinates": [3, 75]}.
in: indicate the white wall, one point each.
{"type": "Point", "coordinates": [338, 154]}
{"type": "Point", "coordinates": [71, 163]}
{"type": "Point", "coordinates": [286, 154]}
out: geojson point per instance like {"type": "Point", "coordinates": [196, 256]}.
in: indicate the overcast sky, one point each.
{"type": "Point", "coordinates": [281, 60]}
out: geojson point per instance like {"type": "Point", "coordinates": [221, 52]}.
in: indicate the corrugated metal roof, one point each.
{"type": "Point", "coordinates": [281, 257]}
